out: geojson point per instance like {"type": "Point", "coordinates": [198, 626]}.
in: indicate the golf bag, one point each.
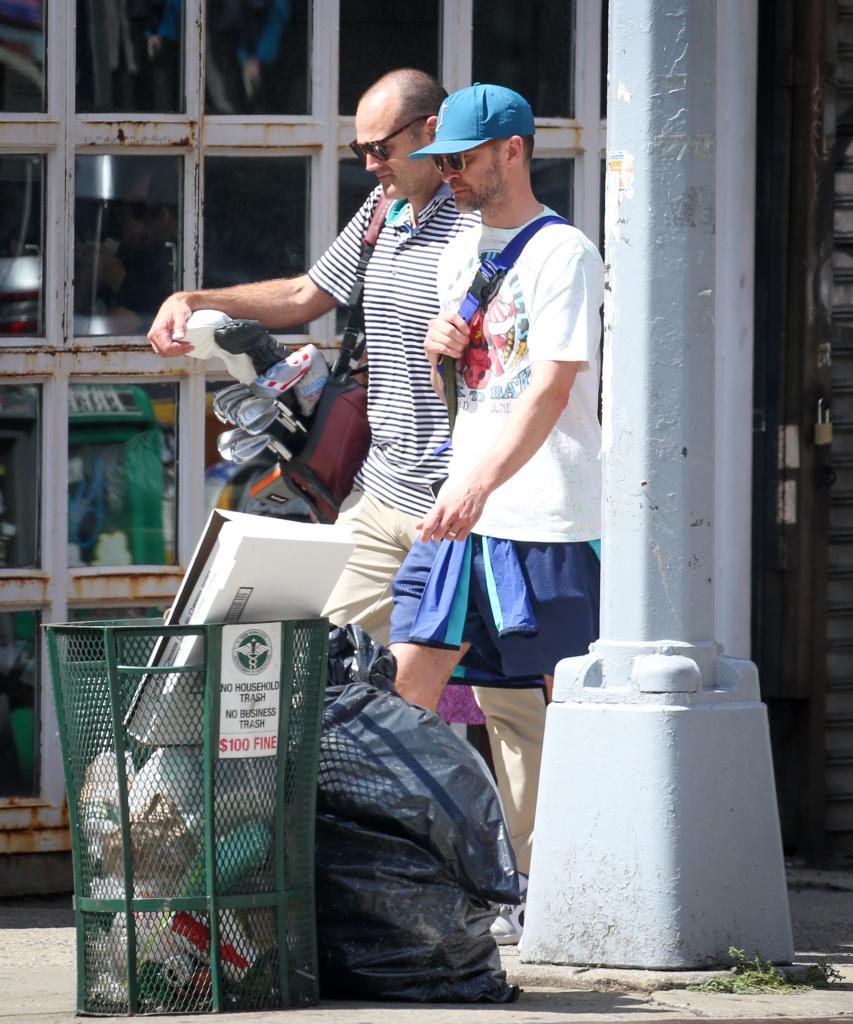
{"type": "Point", "coordinates": [323, 471]}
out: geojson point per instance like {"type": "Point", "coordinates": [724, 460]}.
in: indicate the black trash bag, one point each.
{"type": "Point", "coordinates": [412, 849]}
{"type": "Point", "coordinates": [355, 657]}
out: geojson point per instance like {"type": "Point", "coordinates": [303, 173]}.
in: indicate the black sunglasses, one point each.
{"type": "Point", "coordinates": [377, 148]}
{"type": "Point", "coordinates": [456, 161]}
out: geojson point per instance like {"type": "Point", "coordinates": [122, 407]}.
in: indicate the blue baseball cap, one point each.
{"type": "Point", "coordinates": [478, 114]}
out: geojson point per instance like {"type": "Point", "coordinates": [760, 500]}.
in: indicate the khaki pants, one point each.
{"type": "Point", "coordinates": [383, 536]}
{"type": "Point", "coordinates": [515, 719]}
{"type": "Point", "coordinates": [515, 722]}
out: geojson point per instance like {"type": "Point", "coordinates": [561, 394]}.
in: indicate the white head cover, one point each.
{"type": "Point", "coordinates": [200, 328]}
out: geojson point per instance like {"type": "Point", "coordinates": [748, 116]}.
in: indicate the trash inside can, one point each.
{"type": "Point", "coordinates": [193, 842]}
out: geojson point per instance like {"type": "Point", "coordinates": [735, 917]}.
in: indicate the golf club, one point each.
{"type": "Point", "coordinates": [225, 400]}
{"type": "Point", "coordinates": [226, 441]}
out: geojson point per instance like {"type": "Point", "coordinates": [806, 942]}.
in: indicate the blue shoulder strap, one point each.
{"type": "Point", "coordinates": [488, 278]}
{"type": "Point", "coordinates": [483, 289]}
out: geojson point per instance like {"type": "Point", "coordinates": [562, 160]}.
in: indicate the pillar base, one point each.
{"type": "Point", "coordinates": [657, 840]}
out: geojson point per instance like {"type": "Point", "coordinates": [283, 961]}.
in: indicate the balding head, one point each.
{"type": "Point", "coordinates": [411, 91]}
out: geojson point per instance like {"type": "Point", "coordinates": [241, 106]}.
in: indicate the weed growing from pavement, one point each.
{"type": "Point", "coordinates": [751, 977]}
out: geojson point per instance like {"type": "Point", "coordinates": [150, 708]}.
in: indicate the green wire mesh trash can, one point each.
{"type": "Point", "coordinates": [190, 757]}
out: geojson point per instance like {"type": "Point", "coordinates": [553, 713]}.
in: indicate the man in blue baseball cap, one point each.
{"type": "Point", "coordinates": [505, 574]}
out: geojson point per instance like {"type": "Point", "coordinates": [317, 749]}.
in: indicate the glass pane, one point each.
{"type": "Point", "coordinates": [269, 237]}
{"type": "Point", "coordinates": [21, 245]}
{"type": "Point", "coordinates": [354, 185]}
{"type": "Point", "coordinates": [377, 37]}
{"type": "Point", "coordinates": [552, 184]}
{"type": "Point", "coordinates": [22, 88]}
{"type": "Point", "coordinates": [127, 241]}
{"type": "Point", "coordinates": [257, 57]}
{"type": "Point", "coordinates": [528, 47]}
{"type": "Point", "coordinates": [20, 472]}
{"type": "Point", "coordinates": [19, 704]}
{"type": "Point", "coordinates": [122, 451]}
{"type": "Point", "coordinates": [129, 56]}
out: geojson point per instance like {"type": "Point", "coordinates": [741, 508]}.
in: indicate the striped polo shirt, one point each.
{"type": "Point", "coordinates": [407, 420]}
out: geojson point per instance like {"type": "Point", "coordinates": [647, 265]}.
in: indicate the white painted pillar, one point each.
{"type": "Point", "coordinates": [737, 67]}
{"type": "Point", "coordinates": [657, 836]}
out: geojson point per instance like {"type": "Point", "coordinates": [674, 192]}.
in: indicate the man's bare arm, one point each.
{"type": "Point", "coordinates": [531, 420]}
{"type": "Point", "coordinates": [284, 302]}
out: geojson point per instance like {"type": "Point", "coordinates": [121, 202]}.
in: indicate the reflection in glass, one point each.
{"type": "Point", "coordinates": [22, 88]}
{"type": "Point", "coordinates": [257, 57]}
{"type": "Point", "coordinates": [20, 473]}
{"type": "Point", "coordinates": [129, 56]}
{"type": "Point", "coordinates": [376, 38]}
{"type": "Point", "coordinates": [121, 474]}
{"type": "Point", "coordinates": [127, 241]}
{"type": "Point", "coordinates": [528, 47]}
{"type": "Point", "coordinates": [552, 182]}
{"type": "Point", "coordinates": [354, 185]}
{"type": "Point", "coordinates": [255, 219]}
{"type": "Point", "coordinates": [19, 704]}
{"type": "Point", "coordinates": [21, 244]}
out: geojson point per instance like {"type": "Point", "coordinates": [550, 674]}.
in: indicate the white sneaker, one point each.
{"type": "Point", "coordinates": [508, 927]}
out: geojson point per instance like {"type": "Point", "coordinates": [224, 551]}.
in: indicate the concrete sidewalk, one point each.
{"type": "Point", "coordinates": [37, 976]}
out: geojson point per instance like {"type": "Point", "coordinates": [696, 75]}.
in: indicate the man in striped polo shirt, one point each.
{"type": "Point", "coordinates": [408, 422]}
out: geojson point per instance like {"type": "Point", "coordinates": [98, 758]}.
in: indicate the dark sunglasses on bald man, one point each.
{"type": "Point", "coordinates": [378, 148]}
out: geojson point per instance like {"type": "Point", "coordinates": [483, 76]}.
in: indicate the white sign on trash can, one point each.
{"type": "Point", "coordinates": [249, 690]}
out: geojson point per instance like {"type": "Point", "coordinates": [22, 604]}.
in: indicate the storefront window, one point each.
{"type": "Point", "coordinates": [376, 38]}
{"type": "Point", "coordinates": [354, 185]}
{"type": "Point", "coordinates": [127, 248]}
{"type": "Point", "coordinates": [20, 473]}
{"type": "Point", "coordinates": [129, 57]}
{"type": "Point", "coordinates": [121, 474]}
{"type": "Point", "coordinates": [255, 219]}
{"type": "Point", "coordinates": [257, 57]}
{"type": "Point", "coordinates": [553, 184]}
{"type": "Point", "coordinates": [21, 244]}
{"type": "Point", "coordinates": [22, 88]}
{"type": "Point", "coordinates": [528, 47]}
{"type": "Point", "coordinates": [19, 703]}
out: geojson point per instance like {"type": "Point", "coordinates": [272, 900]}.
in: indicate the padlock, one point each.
{"type": "Point", "coordinates": [823, 433]}
{"type": "Point", "coordinates": [823, 427]}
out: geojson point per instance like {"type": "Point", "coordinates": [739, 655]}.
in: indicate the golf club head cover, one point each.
{"type": "Point", "coordinates": [247, 337]}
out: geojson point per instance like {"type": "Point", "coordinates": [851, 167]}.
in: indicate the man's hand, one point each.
{"type": "Point", "coordinates": [447, 335]}
{"type": "Point", "coordinates": [169, 327]}
{"type": "Point", "coordinates": [454, 514]}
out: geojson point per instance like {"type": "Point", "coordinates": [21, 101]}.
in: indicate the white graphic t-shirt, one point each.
{"type": "Point", "coordinates": [547, 308]}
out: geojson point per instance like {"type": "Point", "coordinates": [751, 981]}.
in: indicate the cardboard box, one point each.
{"type": "Point", "coordinates": [245, 568]}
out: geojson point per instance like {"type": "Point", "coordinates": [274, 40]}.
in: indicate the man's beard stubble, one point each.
{"type": "Point", "coordinates": [492, 195]}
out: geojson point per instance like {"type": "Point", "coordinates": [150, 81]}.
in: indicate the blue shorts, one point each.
{"type": "Point", "coordinates": [522, 606]}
